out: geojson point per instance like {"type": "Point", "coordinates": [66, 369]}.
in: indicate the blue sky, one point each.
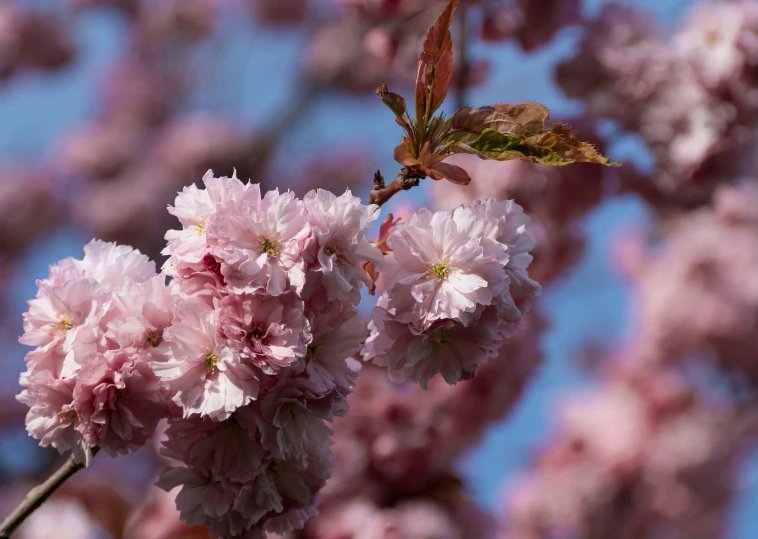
{"type": "Point", "coordinates": [589, 303]}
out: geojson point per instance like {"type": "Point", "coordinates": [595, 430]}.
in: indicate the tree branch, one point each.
{"type": "Point", "coordinates": [405, 179]}
{"type": "Point", "coordinates": [39, 494]}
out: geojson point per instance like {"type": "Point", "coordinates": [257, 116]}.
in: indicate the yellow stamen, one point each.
{"type": "Point", "coordinates": [153, 337]}
{"type": "Point", "coordinates": [440, 270]}
{"type": "Point", "coordinates": [269, 246]}
{"type": "Point", "coordinates": [210, 361]}
{"type": "Point", "coordinates": [330, 250]}
{"type": "Point", "coordinates": [70, 415]}
{"type": "Point", "coordinates": [63, 326]}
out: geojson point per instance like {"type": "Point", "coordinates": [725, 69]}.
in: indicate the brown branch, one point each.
{"type": "Point", "coordinates": [39, 494]}
{"type": "Point", "coordinates": [405, 179]}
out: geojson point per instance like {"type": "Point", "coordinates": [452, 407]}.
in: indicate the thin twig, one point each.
{"type": "Point", "coordinates": [405, 179]}
{"type": "Point", "coordinates": [39, 494]}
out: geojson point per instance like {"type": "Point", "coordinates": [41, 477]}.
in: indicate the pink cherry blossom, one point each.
{"type": "Point", "coordinates": [193, 208]}
{"type": "Point", "coordinates": [339, 225]}
{"type": "Point", "coordinates": [118, 402]}
{"type": "Point", "coordinates": [203, 374]}
{"type": "Point", "coordinates": [291, 419]}
{"type": "Point", "coordinates": [446, 346]}
{"type": "Point", "coordinates": [146, 311]}
{"type": "Point", "coordinates": [52, 418]}
{"type": "Point", "coordinates": [227, 449]}
{"type": "Point", "coordinates": [448, 263]}
{"type": "Point", "coordinates": [268, 332]}
{"type": "Point", "coordinates": [337, 336]}
{"type": "Point", "coordinates": [279, 498]}
{"type": "Point", "coordinates": [114, 266]}
{"type": "Point", "coordinates": [67, 321]}
{"type": "Point", "coordinates": [260, 242]}
{"type": "Point", "coordinates": [505, 223]}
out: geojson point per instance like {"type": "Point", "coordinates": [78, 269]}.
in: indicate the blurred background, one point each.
{"type": "Point", "coordinates": [623, 408]}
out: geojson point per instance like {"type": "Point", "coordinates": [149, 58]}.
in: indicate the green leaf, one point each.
{"type": "Point", "coordinates": [556, 146]}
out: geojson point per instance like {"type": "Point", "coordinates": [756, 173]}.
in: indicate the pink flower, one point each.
{"type": "Point", "coordinates": [711, 40]}
{"type": "Point", "coordinates": [118, 402]}
{"type": "Point", "coordinates": [446, 346]}
{"type": "Point", "coordinates": [268, 332]}
{"type": "Point", "coordinates": [114, 266]}
{"type": "Point", "coordinates": [290, 421]}
{"type": "Point", "coordinates": [66, 322]}
{"type": "Point", "coordinates": [280, 498]}
{"type": "Point", "coordinates": [147, 310]}
{"type": "Point", "coordinates": [339, 225]}
{"type": "Point", "coordinates": [199, 369]}
{"type": "Point", "coordinates": [193, 208]}
{"type": "Point", "coordinates": [52, 418]}
{"type": "Point", "coordinates": [448, 263]}
{"type": "Point", "coordinates": [260, 241]}
{"type": "Point", "coordinates": [203, 501]}
{"type": "Point", "coordinates": [226, 450]}
{"type": "Point", "coordinates": [505, 223]}
{"type": "Point", "coordinates": [330, 365]}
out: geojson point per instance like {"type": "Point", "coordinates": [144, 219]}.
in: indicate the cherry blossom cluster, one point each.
{"type": "Point", "coordinates": [248, 352]}
{"type": "Point", "coordinates": [97, 324]}
{"type": "Point", "coordinates": [692, 98]}
{"type": "Point", "coordinates": [451, 280]}
{"type": "Point", "coordinates": [668, 470]}
{"type": "Point", "coordinates": [260, 356]}
{"type": "Point", "coordinates": [698, 289]}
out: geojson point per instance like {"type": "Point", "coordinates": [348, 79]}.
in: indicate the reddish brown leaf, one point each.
{"type": "Point", "coordinates": [369, 268]}
{"type": "Point", "coordinates": [384, 233]}
{"type": "Point", "coordinates": [394, 102]}
{"type": "Point", "coordinates": [435, 65]}
{"type": "Point", "coordinates": [403, 155]}
{"type": "Point", "coordinates": [521, 119]}
{"type": "Point", "coordinates": [452, 173]}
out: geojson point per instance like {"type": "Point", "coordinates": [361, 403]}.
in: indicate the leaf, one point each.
{"type": "Point", "coordinates": [384, 233]}
{"type": "Point", "coordinates": [369, 269]}
{"type": "Point", "coordinates": [404, 155]}
{"type": "Point", "coordinates": [556, 146]}
{"type": "Point", "coordinates": [394, 102]}
{"type": "Point", "coordinates": [452, 173]}
{"type": "Point", "coordinates": [518, 131]}
{"type": "Point", "coordinates": [435, 65]}
{"type": "Point", "coordinates": [522, 119]}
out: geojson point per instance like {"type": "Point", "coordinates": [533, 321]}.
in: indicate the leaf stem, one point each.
{"type": "Point", "coordinates": [37, 496]}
